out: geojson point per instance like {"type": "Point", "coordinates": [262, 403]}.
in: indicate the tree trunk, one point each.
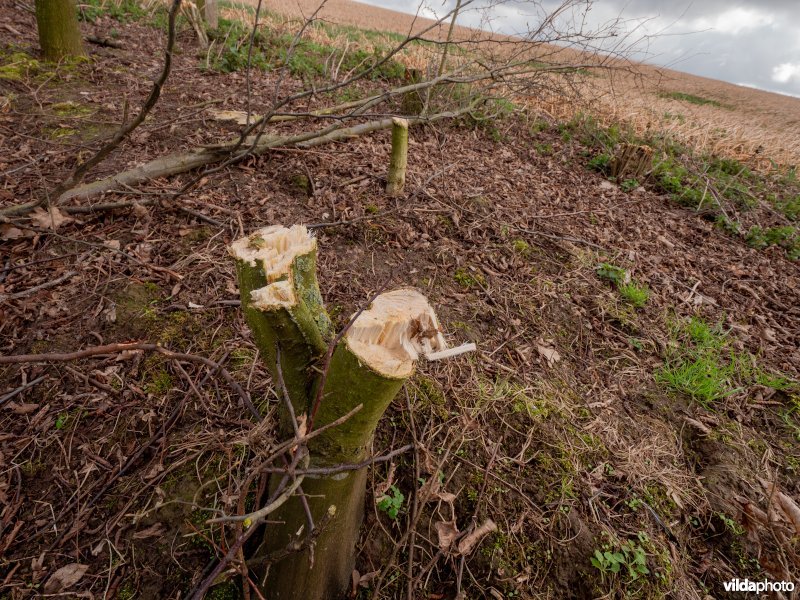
{"type": "Point", "coordinates": [211, 13]}
{"type": "Point", "coordinates": [59, 35]}
{"type": "Point", "coordinates": [283, 306]}
{"type": "Point", "coordinates": [396, 179]}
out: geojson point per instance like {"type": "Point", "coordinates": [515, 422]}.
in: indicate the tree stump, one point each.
{"type": "Point", "coordinates": [396, 178]}
{"type": "Point", "coordinates": [280, 295]}
{"type": "Point", "coordinates": [631, 162]}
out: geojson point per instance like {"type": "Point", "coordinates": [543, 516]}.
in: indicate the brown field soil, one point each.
{"type": "Point", "coordinates": [563, 428]}
{"type": "Point", "coordinates": [747, 124]}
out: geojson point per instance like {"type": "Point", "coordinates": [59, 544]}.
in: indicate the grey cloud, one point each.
{"type": "Point", "coordinates": [745, 41]}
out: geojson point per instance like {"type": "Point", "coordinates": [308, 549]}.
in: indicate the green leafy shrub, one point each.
{"type": "Point", "coordinates": [392, 503]}
{"type": "Point", "coordinates": [614, 274]}
{"type": "Point", "coordinates": [728, 225]}
{"type": "Point", "coordinates": [629, 185]}
{"type": "Point", "coordinates": [791, 208]}
{"type": "Point", "coordinates": [672, 178]}
{"type": "Point", "coordinates": [600, 163]}
{"type": "Point", "coordinates": [233, 40]}
{"type": "Point", "coordinates": [785, 237]}
{"type": "Point", "coordinates": [630, 559]}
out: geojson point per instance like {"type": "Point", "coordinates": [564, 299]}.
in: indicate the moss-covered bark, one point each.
{"type": "Point", "coordinates": [302, 331]}
{"type": "Point", "coordinates": [350, 383]}
{"type": "Point", "coordinates": [59, 35]}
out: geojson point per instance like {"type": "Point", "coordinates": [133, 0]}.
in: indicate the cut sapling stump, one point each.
{"type": "Point", "coordinates": [396, 178]}
{"type": "Point", "coordinates": [277, 272]}
{"type": "Point", "coordinates": [371, 361]}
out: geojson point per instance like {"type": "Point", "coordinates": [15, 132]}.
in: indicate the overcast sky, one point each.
{"type": "Point", "coordinates": [748, 42]}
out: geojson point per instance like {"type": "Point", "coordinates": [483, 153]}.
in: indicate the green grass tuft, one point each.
{"type": "Point", "coordinates": [635, 294]}
{"type": "Point", "coordinates": [690, 98]}
{"type": "Point", "coordinates": [702, 378]}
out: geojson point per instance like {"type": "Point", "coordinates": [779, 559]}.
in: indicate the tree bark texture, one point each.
{"type": "Point", "coordinates": [59, 34]}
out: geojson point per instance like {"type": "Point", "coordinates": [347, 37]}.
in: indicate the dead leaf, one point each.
{"type": "Point", "coordinates": [9, 232]}
{"type": "Point", "coordinates": [37, 565]}
{"type": "Point", "coordinates": [446, 497]}
{"type": "Point", "coordinates": [302, 426]}
{"type": "Point", "coordinates": [65, 578]}
{"type": "Point", "coordinates": [139, 210]}
{"type": "Point", "coordinates": [447, 532]}
{"type": "Point", "coordinates": [790, 509]}
{"type": "Point", "coordinates": [547, 352]}
{"type": "Point", "coordinates": [49, 219]}
{"type": "Point", "coordinates": [112, 244]}
{"type": "Point", "coordinates": [366, 578]}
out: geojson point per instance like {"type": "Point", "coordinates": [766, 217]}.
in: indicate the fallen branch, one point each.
{"type": "Point", "coordinates": [181, 162]}
{"type": "Point", "coordinates": [43, 286]}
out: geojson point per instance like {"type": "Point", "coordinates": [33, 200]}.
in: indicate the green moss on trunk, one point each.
{"type": "Point", "coordinates": [287, 311]}
{"type": "Point", "coordinates": [59, 35]}
{"type": "Point", "coordinates": [301, 331]}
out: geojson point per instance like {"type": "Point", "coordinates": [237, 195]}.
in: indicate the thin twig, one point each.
{"type": "Point", "coordinates": [344, 468]}
{"type": "Point", "coordinates": [38, 288]}
{"type": "Point", "coordinates": [20, 389]}
{"type": "Point", "coordinates": [262, 513]}
{"type": "Point", "coordinates": [126, 347]}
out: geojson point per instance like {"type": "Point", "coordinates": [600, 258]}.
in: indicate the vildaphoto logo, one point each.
{"type": "Point", "coordinates": [759, 587]}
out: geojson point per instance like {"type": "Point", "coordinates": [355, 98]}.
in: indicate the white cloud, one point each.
{"type": "Point", "coordinates": [733, 21]}
{"type": "Point", "coordinates": [785, 72]}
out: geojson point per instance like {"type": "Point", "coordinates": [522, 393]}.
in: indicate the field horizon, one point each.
{"type": "Point", "coordinates": [749, 124]}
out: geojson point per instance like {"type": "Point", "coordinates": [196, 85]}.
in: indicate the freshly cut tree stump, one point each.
{"type": "Point", "coordinates": [371, 361]}
{"type": "Point", "coordinates": [631, 162]}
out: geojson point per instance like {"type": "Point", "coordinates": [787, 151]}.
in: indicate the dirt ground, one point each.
{"type": "Point", "coordinates": [559, 429]}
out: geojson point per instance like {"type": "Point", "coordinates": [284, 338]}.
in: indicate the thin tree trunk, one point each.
{"type": "Point", "coordinates": [211, 13]}
{"type": "Point", "coordinates": [59, 35]}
